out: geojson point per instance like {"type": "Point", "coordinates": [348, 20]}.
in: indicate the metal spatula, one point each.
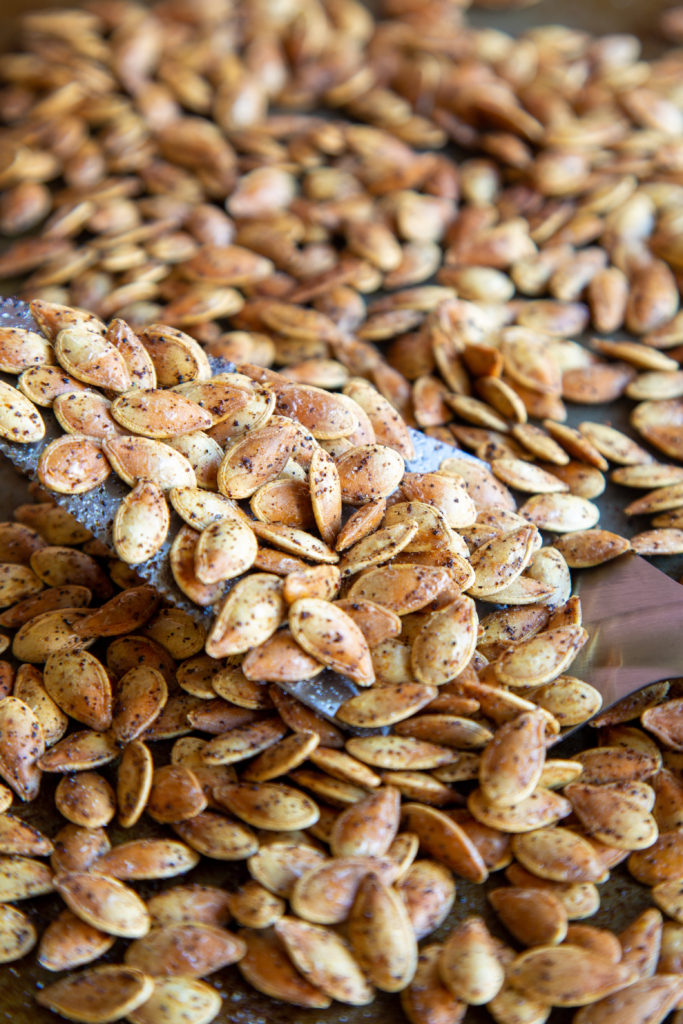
{"type": "Point", "coordinates": [632, 611]}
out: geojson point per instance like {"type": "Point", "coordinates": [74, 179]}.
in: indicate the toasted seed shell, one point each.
{"type": "Point", "coordinates": [186, 903]}
{"type": "Point", "coordinates": [381, 935]}
{"type": "Point", "coordinates": [541, 658]}
{"type": "Point", "coordinates": [468, 964]}
{"type": "Point", "coordinates": [282, 757]}
{"type": "Point", "coordinates": [279, 659]}
{"type": "Point", "coordinates": [21, 745]}
{"type": "Point", "coordinates": [256, 459]}
{"type": "Point", "coordinates": [42, 384]}
{"type": "Point", "coordinates": [543, 807]}
{"type": "Point", "coordinates": [648, 999]}
{"type": "Point", "coordinates": [399, 752]}
{"type": "Point", "coordinates": [584, 548]}
{"type": "Point", "coordinates": [368, 828]}
{"type": "Point", "coordinates": [244, 741]}
{"type": "Point", "coordinates": [20, 421]}
{"type": "Point", "coordinates": [511, 764]}
{"type": "Point", "coordinates": [269, 969]}
{"type": "Point", "coordinates": [78, 683]}
{"type": "Point", "coordinates": [663, 721]}
{"type": "Point", "coordinates": [560, 513]}
{"type": "Point", "coordinates": [77, 848]}
{"type": "Point", "coordinates": [535, 917]}
{"type": "Point", "coordinates": [217, 837]}
{"type": "Point", "coordinates": [57, 566]}
{"type": "Point", "coordinates": [176, 356]}
{"type": "Point", "coordinates": [580, 899]}
{"type": "Point", "coordinates": [253, 906]}
{"type": "Point", "coordinates": [558, 854]}
{"type": "Point", "coordinates": [178, 1000]}
{"type": "Point", "coordinates": [200, 508]}
{"type": "Point", "coordinates": [18, 837]}
{"type": "Point", "coordinates": [386, 705]}
{"type": "Point", "coordinates": [139, 699]}
{"type": "Point", "coordinates": [72, 464]}
{"type": "Point", "coordinates": [225, 549]}
{"type": "Point", "coordinates": [249, 615]}
{"type": "Point", "coordinates": [426, 1000]}
{"type": "Point", "coordinates": [68, 942]}
{"type": "Point", "coordinates": [134, 781]}
{"type": "Point", "coordinates": [80, 751]}
{"type": "Point", "coordinates": [146, 858]}
{"type": "Point", "coordinates": [324, 960]}
{"type": "Point", "coordinates": [428, 890]}
{"type": "Point", "coordinates": [279, 864]}
{"type": "Point", "coordinates": [329, 635]}
{"type": "Point", "coordinates": [381, 546]}
{"type": "Point", "coordinates": [324, 894]}
{"type": "Point", "coordinates": [499, 562]}
{"type": "Point", "coordinates": [22, 877]}
{"type": "Point", "coordinates": [104, 902]}
{"type": "Point", "coordinates": [612, 817]}
{"type": "Point", "coordinates": [191, 950]}
{"type": "Point", "coordinates": [268, 805]}
{"type": "Point", "coordinates": [85, 799]}
{"type": "Point", "coordinates": [138, 458]}
{"type": "Point", "coordinates": [17, 934]}
{"type": "Point", "coordinates": [367, 472]}
{"type": "Point", "coordinates": [99, 995]}
{"type": "Point", "coordinates": [445, 643]}
{"type": "Point", "coordinates": [445, 840]}
{"type": "Point", "coordinates": [403, 588]}
{"type": "Point", "coordinates": [567, 975]}
{"type": "Point", "coordinates": [20, 348]}
{"type": "Point", "coordinates": [141, 523]}
{"type": "Point", "coordinates": [176, 794]}
{"type": "Point", "coordinates": [92, 359]}
{"type": "Point", "coordinates": [86, 413]}
{"type": "Point", "coordinates": [159, 413]}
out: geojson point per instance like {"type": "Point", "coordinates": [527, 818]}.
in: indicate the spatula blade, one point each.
{"type": "Point", "coordinates": [634, 615]}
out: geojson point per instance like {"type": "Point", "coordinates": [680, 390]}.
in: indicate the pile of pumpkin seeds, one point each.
{"type": "Point", "coordinates": [353, 846]}
{"type": "Point", "coordinates": [333, 558]}
{"type": "Point", "coordinates": [179, 167]}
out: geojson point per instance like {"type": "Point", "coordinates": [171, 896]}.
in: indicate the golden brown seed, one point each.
{"type": "Point", "coordinates": [104, 903]}
{"type": "Point", "coordinates": [567, 975]}
{"type": "Point", "coordinates": [99, 995]}
{"type": "Point", "coordinates": [191, 950]}
{"type": "Point", "coordinates": [324, 960]}
{"type": "Point", "coordinates": [512, 763]}
{"type": "Point", "coordinates": [369, 827]}
{"type": "Point", "coordinates": [426, 1000]}
{"type": "Point", "coordinates": [73, 465]}
{"type": "Point", "coordinates": [86, 799]}
{"type": "Point", "coordinates": [269, 969]}
{"type": "Point", "coordinates": [146, 858]}
{"type": "Point", "coordinates": [368, 472]}
{"type": "Point", "coordinates": [381, 935]}
{"type": "Point", "coordinates": [174, 999]}
{"type": "Point", "coordinates": [268, 805]}
{"type": "Point", "coordinates": [428, 891]}
{"type": "Point", "coordinates": [249, 615]}
{"type": "Point", "coordinates": [534, 917]}
{"type": "Point", "coordinates": [68, 942]}
{"type": "Point", "coordinates": [141, 523]}
{"type": "Point", "coordinates": [20, 421]}
{"type": "Point", "coordinates": [329, 635]}
{"type": "Point", "coordinates": [468, 964]}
